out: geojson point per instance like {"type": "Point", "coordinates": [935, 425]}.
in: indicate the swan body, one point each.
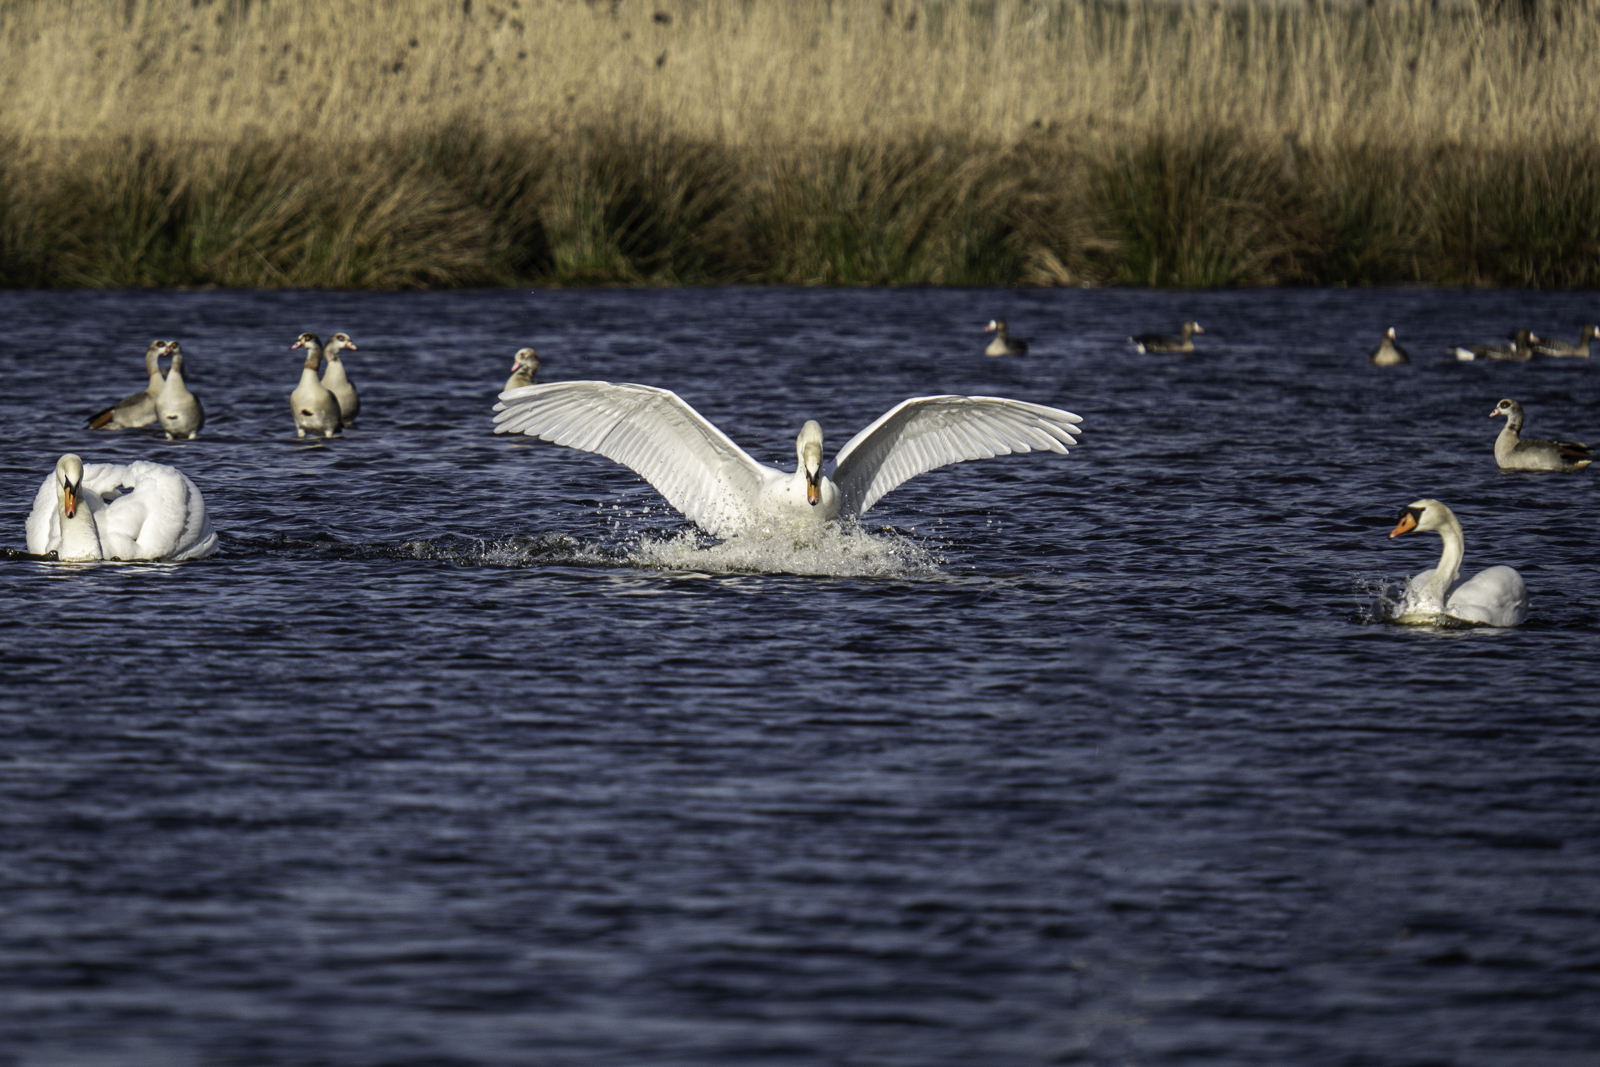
{"type": "Point", "coordinates": [335, 381]}
{"type": "Point", "coordinates": [1512, 453]}
{"type": "Point", "coordinates": [1493, 597]}
{"type": "Point", "coordinates": [1554, 346]}
{"type": "Point", "coordinates": [524, 365]}
{"type": "Point", "coordinates": [1388, 353]}
{"type": "Point", "coordinates": [1003, 344]}
{"type": "Point", "coordinates": [721, 489]}
{"type": "Point", "coordinates": [1518, 350]}
{"type": "Point", "coordinates": [138, 510]}
{"type": "Point", "coordinates": [315, 409]}
{"type": "Point", "coordinates": [1164, 342]}
{"type": "Point", "coordinates": [140, 408]}
{"type": "Point", "coordinates": [178, 410]}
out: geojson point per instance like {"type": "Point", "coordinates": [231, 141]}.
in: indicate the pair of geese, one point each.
{"type": "Point", "coordinates": [1006, 345]}
{"type": "Point", "coordinates": [324, 406]}
{"type": "Point", "coordinates": [1519, 347]}
{"type": "Point", "coordinates": [165, 401]}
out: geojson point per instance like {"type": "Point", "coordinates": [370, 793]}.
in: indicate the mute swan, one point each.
{"type": "Point", "coordinates": [178, 409]}
{"type": "Point", "coordinates": [314, 408]}
{"type": "Point", "coordinates": [524, 365]}
{"type": "Point", "coordinates": [1165, 342]}
{"type": "Point", "coordinates": [81, 512]}
{"type": "Point", "coordinates": [722, 490]}
{"type": "Point", "coordinates": [1493, 597]}
{"type": "Point", "coordinates": [335, 381]}
{"type": "Point", "coordinates": [1554, 346]}
{"type": "Point", "coordinates": [1515, 454]}
{"type": "Point", "coordinates": [1518, 350]}
{"type": "Point", "coordinates": [1388, 353]}
{"type": "Point", "coordinates": [140, 408]}
{"type": "Point", "coordinates": [1003, 344]}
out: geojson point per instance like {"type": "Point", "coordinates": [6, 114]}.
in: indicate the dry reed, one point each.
{"type": "Point", "coordinates": [414, 142]}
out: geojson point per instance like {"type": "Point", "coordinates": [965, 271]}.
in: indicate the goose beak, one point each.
{"type": "Point", "coordinates": [1493, 413]}
{"type": "Point", "coordinates": [1407, 523]}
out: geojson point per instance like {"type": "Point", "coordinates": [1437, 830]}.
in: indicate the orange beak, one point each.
{"type": "Point", "coordinates": [813, 494]}
{"type": "Point", "coordinates": [1407, 523]}
{"type": "Point", "coordinates": [69, 502]}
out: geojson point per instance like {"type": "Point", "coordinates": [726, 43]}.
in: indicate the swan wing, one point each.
{"type": "Point", "coordinates": [652, 432]}
{"type": "Point", "coordinates": [926, 432]}
{"type": "Point", "coordinates": [1495, 597]}
{"type": "Point", "coordinates": [161, 516]}
{"type": "Point", "coordinates": [44, 521]}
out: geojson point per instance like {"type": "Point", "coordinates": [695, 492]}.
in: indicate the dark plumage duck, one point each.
{"type": "Point", "coordinates": [1003, 344]}
{"type": "Point", "coordinates": [1164, 342]}
{"type": "Point", "coordinates": [1515, 454]}
{"type": "Point", "coordinates": [1388, 353]}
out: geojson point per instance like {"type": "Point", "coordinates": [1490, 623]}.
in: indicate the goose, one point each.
{"type": "Point", "coordinates": [1003, 344]}
{"type": "Point", "coordinates": [139, 510]}
{"type": "Point", "coordinates": [1520, 349]}
{"type": "Point", "coordinates": [716, 484]}
{"type": "Point", "coordinates": [524, 365]}
{"type": "Point", "coordinates": [314, 408]}
{"type": "Point", "coordinates": [1493, 597]}
{"type": "Point", "coordinates": [1163, 342]}
{"type": "Point", "coordinates": [1388, 353]}
{"type": "Point", "coordinates": [140, 408]}
{"type": "Point", "coordinates": [1515, 454]}
{"type": "Point", "coordinates": [178, 409]}
{"type": "Point", "coordinates": [1554, 346]}
{"type": "Point", "coordinates": [335, 381]}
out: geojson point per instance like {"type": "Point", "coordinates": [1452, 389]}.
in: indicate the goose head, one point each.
{"type": "Point", "coordinates": [997, 327]}
{"type": "Point", "coordinates": [525, 359]}
{"type": "Point", "coordinates": [1511, 410]}
{"type": "Point", "coordinates": [69, 480]}
{"type": "Point", "coordinates": [1388, 335]}
{"type": "Point", "coordinates": [175, 350]}
{"type": "Point", "coordinates": [336, 343]}
{"type": "Point", "coordinates": [1190, 328]}
{"type": "Point", "coordinates": [313, 346]}
{"type": "Point", "coordinates": [808, 447]}
{"type": "Point", "coordinates": [1427, 515]}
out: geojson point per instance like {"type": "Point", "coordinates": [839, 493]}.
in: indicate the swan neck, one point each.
{"type": "Point", "coordinates": [80, 537]}
{"type": "Point", "coordinates": [1444, 576]}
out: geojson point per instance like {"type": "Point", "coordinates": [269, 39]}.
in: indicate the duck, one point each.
{"type": "Point", "coordinates": [335, 381]}
{"type": "Point", "coordinates": [314, 408]}
{"type": "Point", "coordinates": [1493, 597]}
{"type": "Point", "coordinates": [178, 410]}
{"type": "Point", "coordinates": [1164, 342]}
{"type": "Point", "coordinates": [139, 510]}
{"type": "Point", "coordinates": [1554, 346]}
{"type": "Point", "coordinates": [1003, 344]}
{"type": "Point", "coordinates": [1388, 353]}
{"type": "Point", "coordinates": [1518, 350]}
{"type": "Point", "coordinates": [524, 365]}
{"type": "Point", "coordinates": [1515, 454]}
{"type": "Point", "coordinates": [140, 408]}
{"type": "Point", "coordinates": [720, 488]}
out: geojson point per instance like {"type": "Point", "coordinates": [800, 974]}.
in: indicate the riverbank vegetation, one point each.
{"type": "Point", "coordinates": [424, 143]}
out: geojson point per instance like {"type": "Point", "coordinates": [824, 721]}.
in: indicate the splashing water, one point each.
{"type": "Point", "coordinates": [830, 549]}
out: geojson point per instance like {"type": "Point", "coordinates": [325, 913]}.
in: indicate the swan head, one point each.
{"type": "Point", "coordinates": [1425, 514]}
{"type": "Point", "coordinates": [808, 447]}
{"type": "Point", "coordinates": [338, 341]}
{"type": "Point", "coordinates": [1510, 409]}
{"type": "Point", "coordinates": [69, 479]}
{"type": "Point", "coordinates": [525, 358]}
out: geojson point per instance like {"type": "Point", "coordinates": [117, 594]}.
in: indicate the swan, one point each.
{"type": "Point", "coordinates": [1515, 454]}
{"type": "Point", "coordinates": [1388, 353]}
{"type": "Point", "coordinates": [1163, 342]}
{"type": "Point", "coordinates": [314, 408]}
{"type": "Point", "coordinates": [722, 490]}
{"type": "Point", "coordinates": [524, 365]}
{"type": "Point", "coordinates": [1493, 597]}
{"type": "Point", "coordinates": [178, 409]}
{"type": "Point", "coordinates": [140, 408]}
{"type": "Point", "coordinates": [82, 512]}
{"type": "Point", "coordinates": [1519, 350]}
{"type": "Point", "coordinates": [1003, 344]}
{"type": "Point", "coordinates": [1554, 346]}
{"type": "Point", "coordinates": [335, 381]}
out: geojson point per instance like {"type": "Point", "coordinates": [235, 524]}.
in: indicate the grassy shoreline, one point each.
{"type": "Point", "coordinates": [235, 143]}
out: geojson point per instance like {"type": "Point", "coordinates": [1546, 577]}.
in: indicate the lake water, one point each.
{"type": "Point", "coordinates": [463, 750]}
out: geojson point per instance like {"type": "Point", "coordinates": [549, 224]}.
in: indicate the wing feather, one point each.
{"type": "Point", "coordinates": [927, 432]}
{"type": "Point", "coordinates": [652, 432]}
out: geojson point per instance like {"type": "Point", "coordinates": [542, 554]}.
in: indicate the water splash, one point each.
{"type": "Point", "coordinates": [828, 550]}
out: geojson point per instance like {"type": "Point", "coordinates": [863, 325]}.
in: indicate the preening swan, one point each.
{"type": "Point", "coordinates": [1515, 454]}
{"type": "Point", "coordinates": [1493, 597]}
{"type": "Point", "coordinates": [139, 510]}
{"type": "Point", "coordinates": [140, 408]}
{"type": "Point", "coordinates": [314, 408]}
{"type": "Point", "coordinates": [722, 490]}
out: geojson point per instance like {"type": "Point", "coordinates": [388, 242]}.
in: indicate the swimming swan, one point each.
{"type": "Point", "coordinates": [723, 491]}
{"type": "Point", "coordinates": [82, 512]}
{"type": "Point", "coordinates": [1493, 597]}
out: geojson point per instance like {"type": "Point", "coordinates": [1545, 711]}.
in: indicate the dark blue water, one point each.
{"type": "Point", "coordinates": [463, 751]}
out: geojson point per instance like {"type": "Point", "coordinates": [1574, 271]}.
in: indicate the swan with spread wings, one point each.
{"type": "Point", "coordinates": [721, 489]}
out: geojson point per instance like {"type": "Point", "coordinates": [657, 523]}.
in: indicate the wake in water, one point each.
{"type": "Point", "coordinates": [1383, 600]}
